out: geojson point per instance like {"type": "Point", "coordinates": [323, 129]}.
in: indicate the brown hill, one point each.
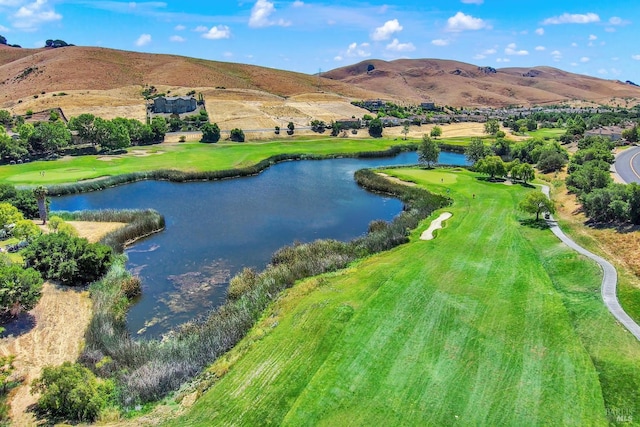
{"type": "Point", "coordinates": [455, 83]}
{"type": "Point", "coordinates": [108, 83]}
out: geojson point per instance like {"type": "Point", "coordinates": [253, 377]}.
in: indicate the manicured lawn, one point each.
{"type": "Point", "coordinates": [490, 323]}
{"type": "Point", "coordinates": [185, 157]}
{"type": "Point", "coordinates": [554, 133]}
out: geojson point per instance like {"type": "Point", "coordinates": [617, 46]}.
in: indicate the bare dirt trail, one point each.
{"type": "Point", "coordinates": [60, 320]}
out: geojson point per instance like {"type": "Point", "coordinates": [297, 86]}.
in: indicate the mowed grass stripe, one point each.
{"type": "Point", "coordinates": [478, 331]}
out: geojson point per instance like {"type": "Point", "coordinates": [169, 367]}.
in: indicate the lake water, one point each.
{"type": "Point", "coordinates": [214, 229]}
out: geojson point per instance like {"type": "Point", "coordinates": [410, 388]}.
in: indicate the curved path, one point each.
{"type": "Point", "coordinates": [627, 165]}
{"type": "Point", "coordinates": [609, 279]}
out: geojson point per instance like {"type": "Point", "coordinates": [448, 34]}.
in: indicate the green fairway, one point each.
{"type": "Point", "coordinates": [491, 323]}
{"type": "Point", "coordinates": [554, 133]}
{"type": "Point", "coordinates": [184, 157]}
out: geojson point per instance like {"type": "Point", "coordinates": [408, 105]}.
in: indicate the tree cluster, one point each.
{"type": "Point", "coordinates": [20, 288]}
{"type": "Point", "coordinates": [72, 392]}
{"type": "Point", "coordinates": [590, 179]}
{"type": "Point", "coordinates": [210, 133]}
{"type": "Point", "coordinates": [119, 133]}
{"type": "Point", "coordinates": [428, 151]}
{"type": "Point", "coordinates": [69, 259]}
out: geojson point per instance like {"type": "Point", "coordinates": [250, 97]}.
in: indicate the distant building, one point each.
{"type": "Point", "coordinates": [174, 105]}
{"type": "Point", "coordinates": [429, 106]}
{"type": "Point", "coordinates": [373, 105]}
{"type": "Point", "coordinates": [614, 133]}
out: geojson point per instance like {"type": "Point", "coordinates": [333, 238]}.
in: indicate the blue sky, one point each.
{"type": "Point", "coordinates": [598, 38]}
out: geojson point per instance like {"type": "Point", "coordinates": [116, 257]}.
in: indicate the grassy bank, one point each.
{"type": "Point", "coordinates": [149, 369]}
{"type": "Point", "coordinates": [186, 157]}
{"type": "Point", "coordinates": [491, 323]}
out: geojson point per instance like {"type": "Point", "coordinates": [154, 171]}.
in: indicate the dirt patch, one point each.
{"type": "Point", "coordinates": [57, 333]}
{"type": "Point", "coordinates": [60, 318]}
{"type": "Point", "coordinates": [94, 231]}
{"type": "Point", "coordinates": [108, 158]}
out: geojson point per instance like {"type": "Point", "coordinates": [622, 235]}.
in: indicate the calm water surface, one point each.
{"type": "Point", "coordinates": [214, 229]}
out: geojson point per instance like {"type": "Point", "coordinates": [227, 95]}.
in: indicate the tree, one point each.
{"type": "Point", "coordinates": [5, 118]}
{"type": "Point", "coordinates": [26, 230]}
{"type": "Point", "coordinates": [72, 392]}
{"type": "Point", "coordinates": [631, 134]}
{"type": "Point", "coordinates": [49, 137]}
{"type": "Point", "coordinates": [428, 151]}
{"type": "Point", "coordinates": [492, 166]}
{"type": "Point", "coordinates": [72, 260]}
{"type": "Point", "coordinates": [84, 125]}
{"type": "Point", "coordinates": [236, 135]}
{"type": "Point", "coordinates": [3, 40]}
{"type": "Point", "coordinates": [291, 128]}
{"type": "Point", "coordinates": [405, 129]}
{"type": "Point", "coordinates": [375, 128]}
{"type": "Point", "coordinates": [9, 214]}
{"type": "Point", "coordinates": [10, 148]}
{"type": "Point", "coordinates": [20, 289]}
{"type": "Point", "coordinates": [40, 193]}
{"type": "Point", "coordinates": [159, 128]}
{"type": "Point", "coordinates": [476, 150]}
{"type": "Point", "coordinates": [210, 132]}
{"type": "Point", "coordinates": [491, 127]}
{"type": "Point", "coordinates": [111, 135]}
{"type": "Point", "coordinates": [536, 203]}
{"type": "Point", "coordinates": [277, 130]}
{"type": "Point", "coordinates": [436, 132]}
{"type": "Point", "coordinates": [526, 172]}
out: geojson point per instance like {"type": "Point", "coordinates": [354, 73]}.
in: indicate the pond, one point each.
{"type": "Point", "coordinates": [214, 229]}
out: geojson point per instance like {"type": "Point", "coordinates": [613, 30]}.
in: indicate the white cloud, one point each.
{"type": "Point", "coordinates": [479, 56]}
{"type": "Point", "coordinates": [385, 32]}
{"type": "Point", "coordinates": [574, 64]}
{"type": "Point", "coordinates": [636, 57]}
{"type": "Point", "coordinates": [360, 50]}
{"type": "Point", "coordinates": [396, 46]}
{"type": "Point", "coordinates": [298, 3]}
{"type": "Point", "coordinates": [177, 39]}
{"type": "Point", "coordinates": [585, 59]}
{"type": "Point", "coordinates": [503, 60]}
{"type": "Point", "coordinates": [575, 18]}
{"type": "Point", "coordinates": [143, 40]}
{"type": "Point", "coordinates": [201, 29]}
{"type": "Point", "coordinates": [260, 13]}
{"type": "Point", "coordinates": [540, 31]}
{"type": "Point", "coordinates": [593, 37]}
{"type": "Point", "coordinates": [179, 28]}
{"type": "Point", "coordinates": [440, 42]}
{"type": "Point", "coordinates": [29, 16]}
{"type": "Point", "coordinates": [3, 28]}
{"type": "Point", "coordinates": [228, 55]}
{"type": "Point", "coordinates": [511, 50]}
{"type": "Point", "coordinates": [462, 22]}
{"type": "Point", "coordinates": [218, 32]}
{"type": "Point", "coordinates": [540, 48]}
{"type": "Point", "coordinates": [616, 20]}
{"type": "Point", "coordinates": [472, 1]}
{"type": "Point", "coordinates": [574, 44]}
{"type": "Point", "coordinates": [602, 71]}
{"type": "Point", "coordinates": [338, 58]}
{"type": "Point", "coordinates": [556, 55]}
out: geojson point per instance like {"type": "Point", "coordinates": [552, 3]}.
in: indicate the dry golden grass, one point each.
{"type": "Point", "coordinates": [619, 245]}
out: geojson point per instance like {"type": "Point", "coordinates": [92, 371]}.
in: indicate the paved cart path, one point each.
{"type": "Point", "coordinates": [609, 279]}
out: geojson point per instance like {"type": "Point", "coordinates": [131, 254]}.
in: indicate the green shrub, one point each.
{"type": "Point", "coordinates": [20, 289]}
{"type": "Point", "coordinates": [69, 259]}
{"type": "Point", "coordinates": [241, 283]}
{"type": "Point", "coordinates": [72, 392]}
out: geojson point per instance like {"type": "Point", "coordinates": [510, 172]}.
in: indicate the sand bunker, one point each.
{"type": "Point", "coordinates": [436, 224]}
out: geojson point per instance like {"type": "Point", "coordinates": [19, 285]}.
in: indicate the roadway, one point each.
{"type": "Point", "coordinates": [627, 165]}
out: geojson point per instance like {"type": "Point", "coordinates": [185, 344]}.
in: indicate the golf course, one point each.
{"type": "Point", "coordinates": [493, 322]}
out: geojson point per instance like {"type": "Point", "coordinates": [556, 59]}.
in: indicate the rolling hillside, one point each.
{"type": "Point", "coordinates": [108, 83]}
{"type": "Point", "coordinates": [455, 83]}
